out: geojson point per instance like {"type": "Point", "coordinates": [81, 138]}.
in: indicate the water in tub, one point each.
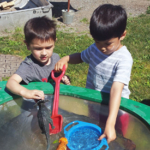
{"type": "Point", "coordinates": [19, 127]}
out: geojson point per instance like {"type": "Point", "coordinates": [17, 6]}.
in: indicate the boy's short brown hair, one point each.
{"type": "Point", "coordinates": [41, 28]}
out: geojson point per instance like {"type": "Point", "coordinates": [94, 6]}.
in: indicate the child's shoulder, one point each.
{"type": "Point", "coordinates": [28, 60]}
{"type": "Point", "coordinates": [91, 49]}
{"type": "Point", "coordinates": [55, 55]}
{"type": "Point", "coordinates": [125, 53]}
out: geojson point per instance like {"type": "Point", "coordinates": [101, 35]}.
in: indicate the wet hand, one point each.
{"type": "Point", "coordinates": [33, 94]}
{"type": "Point", "coordinates": [109, 134]}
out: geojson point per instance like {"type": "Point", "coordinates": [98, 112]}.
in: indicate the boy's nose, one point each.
{"type": "Point", "coordinates": [43, 52]}
{"type": "Point", "coordinates": [103, 48]}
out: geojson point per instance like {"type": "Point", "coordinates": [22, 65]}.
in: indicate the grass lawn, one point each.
{"type": "Point", "coordinates": [137, 42]}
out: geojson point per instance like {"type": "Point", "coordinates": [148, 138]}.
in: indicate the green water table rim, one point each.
{"type": "Point", "coordinates": [137, 109]}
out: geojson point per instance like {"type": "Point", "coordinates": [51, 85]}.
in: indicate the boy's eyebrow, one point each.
{"type": "Point", "coordinates": [43, 46]}
{"type": "Point", "coordinates": [49, 46]}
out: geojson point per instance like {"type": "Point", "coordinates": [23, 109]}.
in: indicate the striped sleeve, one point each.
{"type": "Point", "coordinates": [85, 55]}
{"type": "Point", "coordinates": [123, 71]}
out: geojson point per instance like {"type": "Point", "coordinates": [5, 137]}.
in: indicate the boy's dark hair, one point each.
{"type": "Point", "coordinates": [41, 28]}
{"type": "Point", "coordinates": [108, 21]}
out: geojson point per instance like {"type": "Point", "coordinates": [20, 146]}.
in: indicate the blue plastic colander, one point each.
{"type": "Point", "coordinates": [84, 136]}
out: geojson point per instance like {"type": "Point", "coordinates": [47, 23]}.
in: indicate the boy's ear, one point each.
{"type": "Point", "coordinates": [27, 45]}
{"type": "Point", "coordinates": [123, 35]}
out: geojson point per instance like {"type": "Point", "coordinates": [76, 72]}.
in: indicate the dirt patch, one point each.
{"type": "Point", "coordinates": [84, 9]}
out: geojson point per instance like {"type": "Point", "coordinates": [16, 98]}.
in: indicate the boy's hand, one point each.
{"type": "Point", "coordinates": [63, 61]}
{"type": "Point", "coordinates": [71, 59]}
{"type": "Point", "coordinates": [32, 94]}
{"type": "Point", "coordinates": [14, 86]}
{"type": "Point", "coordinates": [109, 134]}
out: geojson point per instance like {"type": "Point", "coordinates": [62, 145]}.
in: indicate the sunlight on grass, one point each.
{"type": "Point", "coordinates": [137, 41]}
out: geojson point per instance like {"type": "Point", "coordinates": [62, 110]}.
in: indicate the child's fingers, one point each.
{"type": "Point", "coordinates": [39, 95]}
{"type": "Point", "coordinates": [66, 65]}
{"type": "Point", "coordinates": [36, 97]}
{"type": "Point", "coordinates": [65, 79]}
{"type": "Point", "coordinates": [57, 67]}
{"type": "Point", "coordinates": [60, 67]}
{"type": "Point", "coordinates": [101, 137]}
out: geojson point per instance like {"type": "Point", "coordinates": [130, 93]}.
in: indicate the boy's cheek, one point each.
{"type": "Point", "coordinates": [35, 54]}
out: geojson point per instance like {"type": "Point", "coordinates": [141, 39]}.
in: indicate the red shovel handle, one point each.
{"type": "Point", "coordinates": [58, 79]}
{"type": "Point", "coordinates": [57, 86]}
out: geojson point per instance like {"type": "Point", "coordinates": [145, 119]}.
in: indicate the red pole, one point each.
{"type": "Point", "coordinates": [68, 5]}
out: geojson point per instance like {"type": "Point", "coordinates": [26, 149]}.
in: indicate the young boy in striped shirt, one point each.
{"type": "Point", "coordinates": [110, 62]}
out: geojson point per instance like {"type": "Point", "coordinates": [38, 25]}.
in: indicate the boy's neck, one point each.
{"type": "Point", "coordinates": [120, 46]}
{"type": "Point", "coordinates": [35, 60]}
{"type": "Point", "coordinates": [49, 62]}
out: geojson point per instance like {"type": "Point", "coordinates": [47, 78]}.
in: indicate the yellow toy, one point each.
{"type": "Point", "coordinates": [63, 144]}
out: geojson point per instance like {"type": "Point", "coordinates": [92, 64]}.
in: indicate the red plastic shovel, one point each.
{"type": "Point", "coordinates": [57, 119]}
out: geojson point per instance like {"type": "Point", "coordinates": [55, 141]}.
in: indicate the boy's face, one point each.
{"type": "Point", "coordinates": [109, 46]}
{"type": "Point", "coordinates": [42, 50]}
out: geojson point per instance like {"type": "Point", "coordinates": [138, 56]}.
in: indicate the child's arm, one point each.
{"type": "Point", "coordinates": [14, 86]}
{"type": "Point", "coordinates": [114, 103]}
{"type": "Point", "coordinates": [72, 59]}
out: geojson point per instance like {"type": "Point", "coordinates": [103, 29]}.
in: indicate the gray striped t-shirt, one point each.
{"type": "Point", "coordinates": [105, 69]}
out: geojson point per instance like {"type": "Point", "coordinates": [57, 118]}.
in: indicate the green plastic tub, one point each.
{"type": "Point", "coordinates": [19, 126]}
